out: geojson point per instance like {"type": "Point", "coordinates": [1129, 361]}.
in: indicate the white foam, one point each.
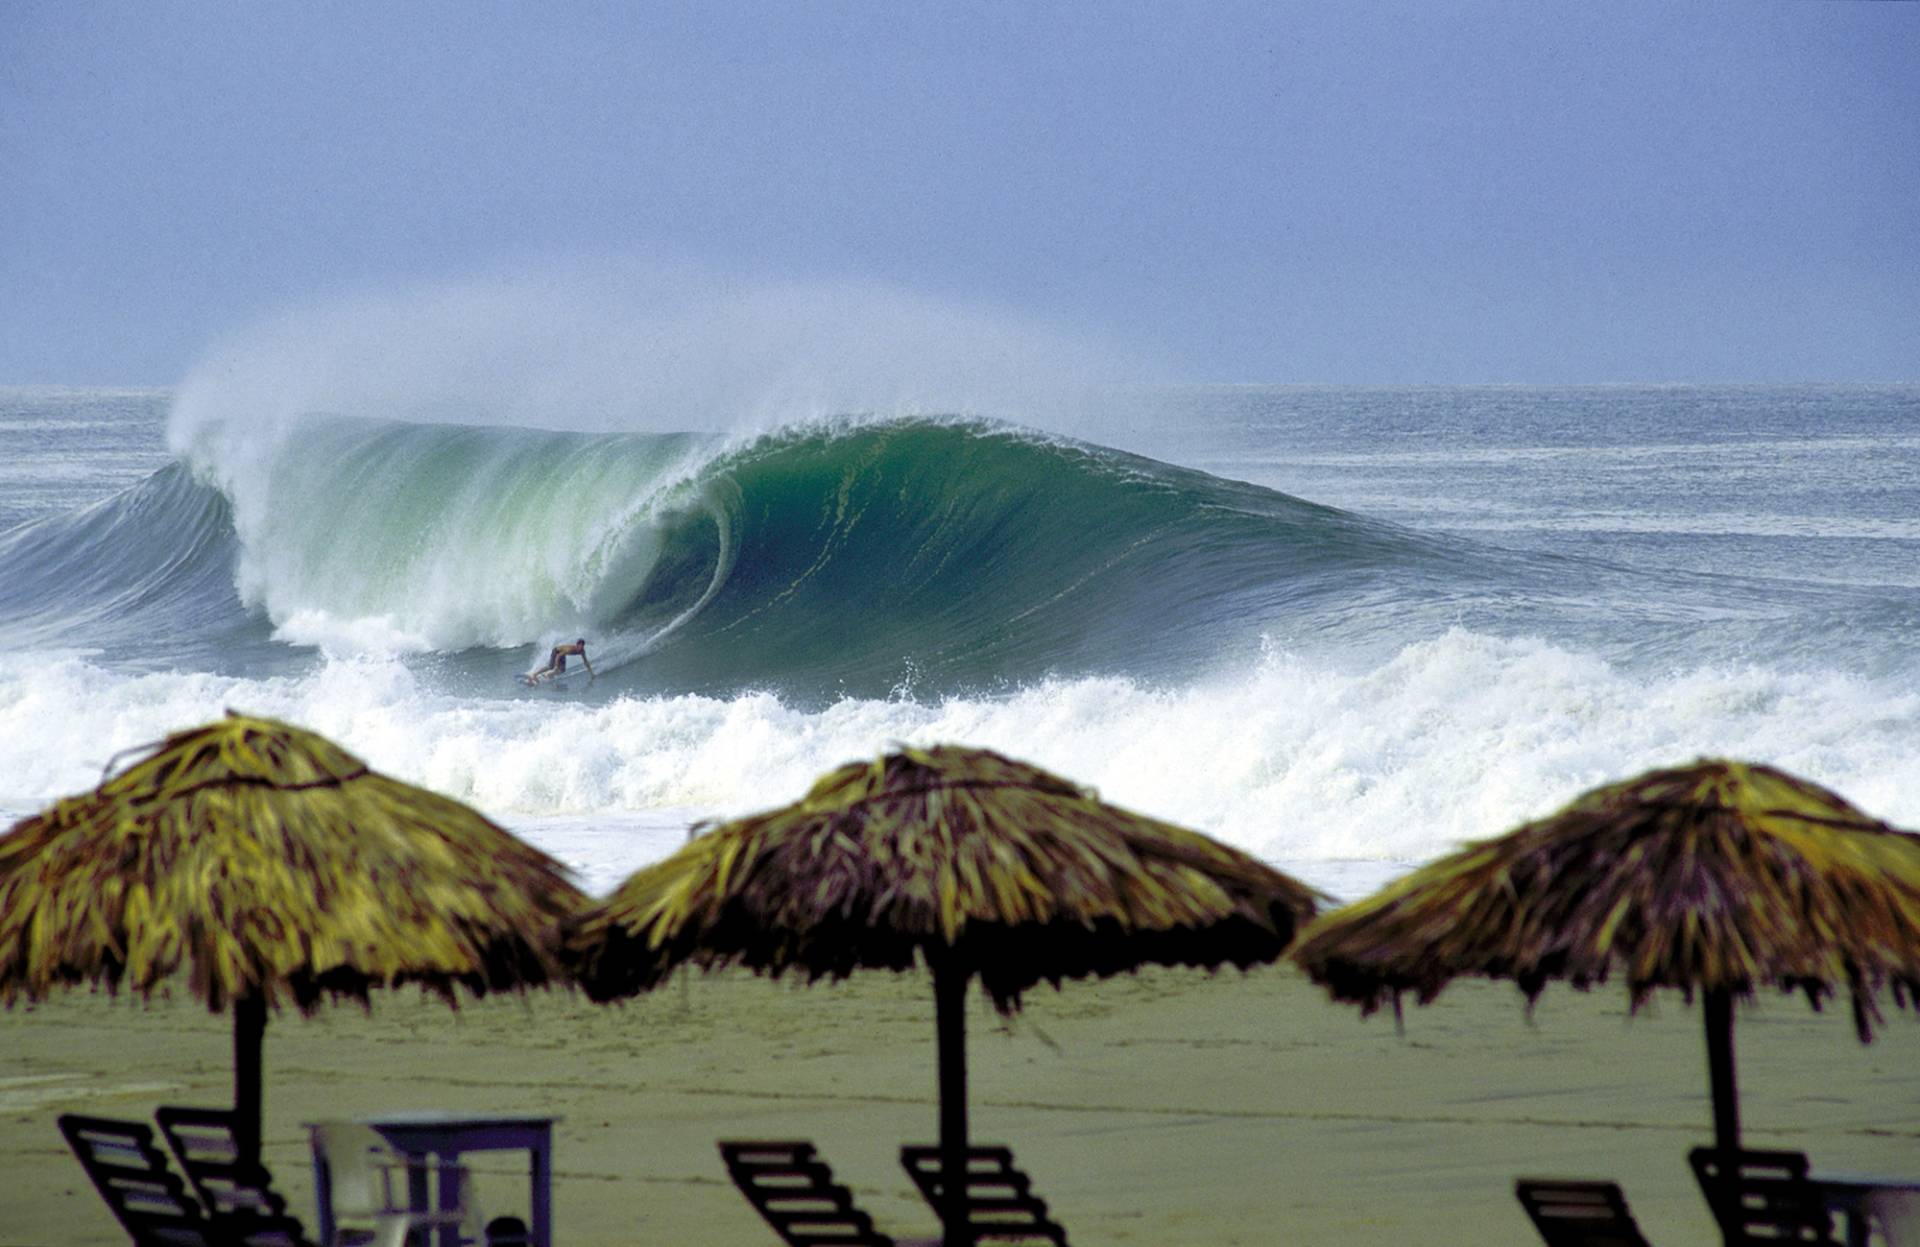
{"type": "Point", "coordinates": [1452, 739]}
{"type": "Point", "coordinates": [367, 634]}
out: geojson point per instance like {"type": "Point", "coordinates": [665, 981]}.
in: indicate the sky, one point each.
{"type": "Point", "coordinates": [1341, 193]}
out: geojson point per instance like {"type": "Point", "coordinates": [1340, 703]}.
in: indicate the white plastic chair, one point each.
{"type": "Point", "coordinates": [371, 1185]}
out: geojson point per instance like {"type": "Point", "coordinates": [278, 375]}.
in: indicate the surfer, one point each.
{"type": "Point", "coordinates": [557, 662]}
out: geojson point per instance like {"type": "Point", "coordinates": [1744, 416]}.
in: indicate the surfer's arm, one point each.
{"type": "Point", "coordinates": [591, 675]}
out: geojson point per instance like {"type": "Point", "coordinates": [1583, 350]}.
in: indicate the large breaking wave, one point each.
{"type": "Point", "coordinates": [823, 557]}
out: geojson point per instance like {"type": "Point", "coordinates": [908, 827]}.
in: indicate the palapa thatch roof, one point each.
{"type": "Point", "coordinates": [260, 859]}
{"type": "Point", "coordinates": [993, 866]}
{"type": "Point", "coordinates": [1719, 876]}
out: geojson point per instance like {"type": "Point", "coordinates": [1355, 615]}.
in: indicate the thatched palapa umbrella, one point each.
{"type": "Point", "coordinates": [1719, 878]}
{"type": "Point", "coordinates": [268, 865]}
{"type": "Point", "coordinates": [974, 863]}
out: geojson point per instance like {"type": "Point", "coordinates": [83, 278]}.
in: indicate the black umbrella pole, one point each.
{"type": "Point", "coordinates": [1726, 1099]}
{"type": "Point", "coordinates": [249, 1031]}
{"type": "Point", "coordinates": [950, 1024]}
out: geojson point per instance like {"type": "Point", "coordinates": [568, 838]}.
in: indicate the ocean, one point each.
{"type": "Point", "coordinates": [1346, 629]}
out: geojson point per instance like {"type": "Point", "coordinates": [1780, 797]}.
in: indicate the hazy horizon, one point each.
{"type": "Point", "coordinates": [1395, 193]}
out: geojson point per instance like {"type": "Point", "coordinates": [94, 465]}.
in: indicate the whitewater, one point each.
{"type": "Point", "coordinates": [1343, 628]}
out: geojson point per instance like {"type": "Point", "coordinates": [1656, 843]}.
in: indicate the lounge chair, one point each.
{"type": "Point", "coordinates": [366, 1208]}
{"type": "Point", "coordinates": [1001, 1205]}
{"type": "Point", "coordinates": [1764, 1198]}
{"type": "Point", "coordinates": [1571, 1213]}
{"type": "Point", "coordinates": [149, 1199]}
{"type": "Point", "coordinates": [203, 1141]}
{"type": "Point", "coordinates": [788, 1184]}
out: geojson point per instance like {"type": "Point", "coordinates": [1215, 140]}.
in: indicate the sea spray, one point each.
{"type": "Point", "coordinates": [626, 346]}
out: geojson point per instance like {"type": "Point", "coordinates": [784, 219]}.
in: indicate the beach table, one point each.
{"type": "Point", "coordinates": [1891, 1204]}
{"type": "Point", "coordinates": [445, 1136]}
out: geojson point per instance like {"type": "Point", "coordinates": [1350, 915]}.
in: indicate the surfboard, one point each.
{"type": "Point", "coordinates": [574, 672]}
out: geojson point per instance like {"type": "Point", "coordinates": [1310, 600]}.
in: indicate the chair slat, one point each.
{"type": "Point", "coordinates": [205, 1143]}
{"type": "Point", "coordinates": [1575, 1213]}
{"type": "Point", "coordinates": [145, 1195]}
{"type": "Point", "coordinates": [1763, 1198]}
{"type": "Point", "coordinates": [1001, 1204]}
{"type": "Point", "coordinates": [794, 1192]}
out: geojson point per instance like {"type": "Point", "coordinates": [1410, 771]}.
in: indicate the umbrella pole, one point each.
{"type": "Point", "coordinates": [1726, 1100]}
{"type": "Point", "coordinates": [249, 1030]}
{"type": "Point", "coordinates": [950, 1023]}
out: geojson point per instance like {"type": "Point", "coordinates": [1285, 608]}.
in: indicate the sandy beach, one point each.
{"type": "Point", "coordinates": [1171, 1107]}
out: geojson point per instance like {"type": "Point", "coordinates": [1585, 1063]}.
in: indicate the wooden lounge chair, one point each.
{"type": "Point", "coordinates": [1001, 1205]}
{"type": "Point", "coordinates": [1763, 1198]}
{"type": "Point", "coordinates": [1571, 1213]}
{"type": "Point", "coordinates": [203, 1141]}
{"type": "Point", "coordinates": [149, 1199]}
{"type": "Point", "coordinates": [790, 1186]}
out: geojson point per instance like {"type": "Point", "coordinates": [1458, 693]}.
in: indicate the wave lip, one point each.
{"type": "Point", "coordinates": [367, 534]}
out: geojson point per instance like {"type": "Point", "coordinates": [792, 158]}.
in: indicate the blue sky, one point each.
{"type": "Point", "coordinates": [1350, 193]}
